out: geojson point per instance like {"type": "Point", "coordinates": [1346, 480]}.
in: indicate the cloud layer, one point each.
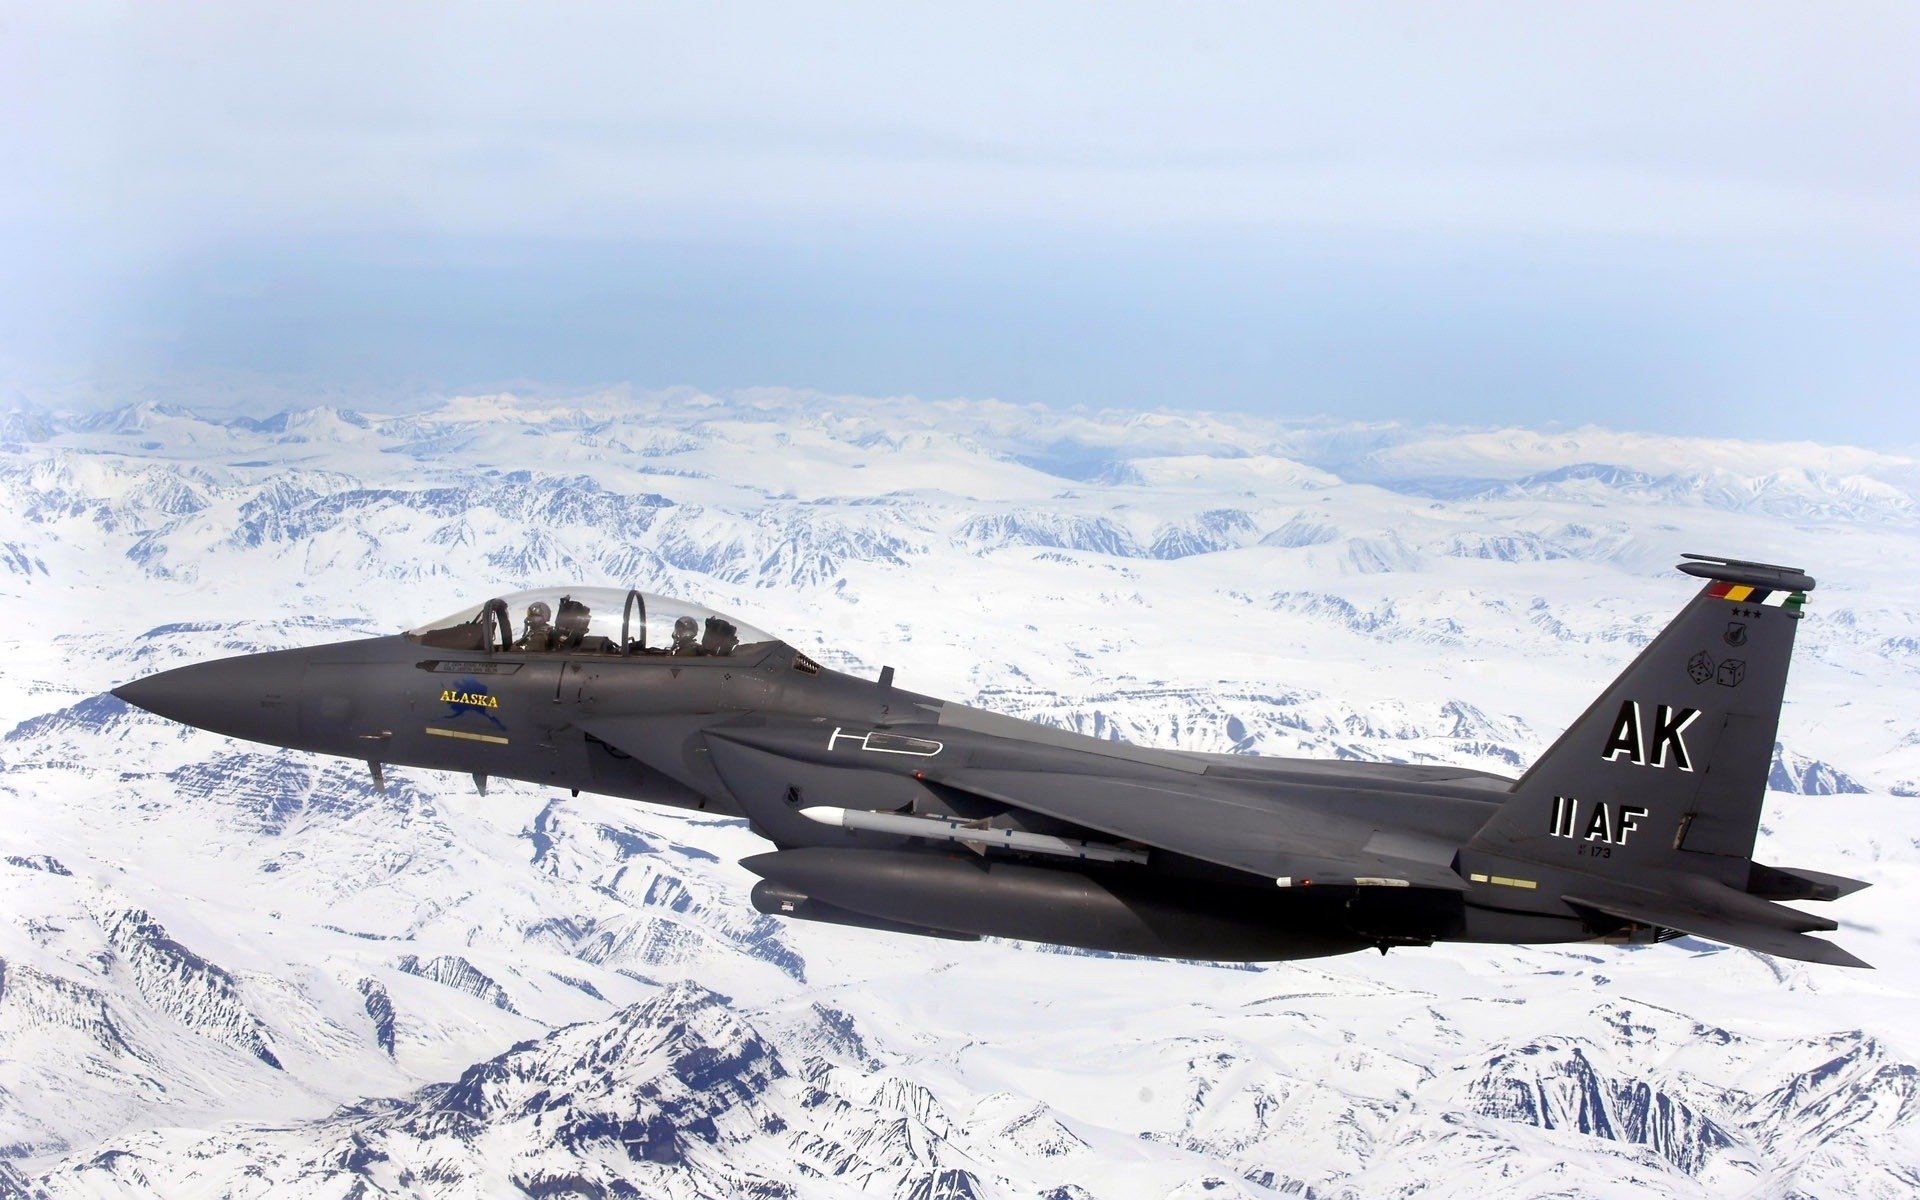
{"type": "Point", "coordinates": [1280, 207]}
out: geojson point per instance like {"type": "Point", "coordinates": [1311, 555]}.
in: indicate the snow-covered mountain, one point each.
{"type": "Point", "coordinates": [227, 970]}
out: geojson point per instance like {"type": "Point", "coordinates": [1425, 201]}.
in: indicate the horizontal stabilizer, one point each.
{"type": "Point", "coordinates": [1798, 883]}
{"type": "Point", "coordinates": [1748, 935]}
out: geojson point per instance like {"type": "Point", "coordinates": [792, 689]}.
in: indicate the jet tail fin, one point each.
{"type": "Point", "coordinates": [1668, 767]}
{"type": "Point", "coordinates": [1644, 812]}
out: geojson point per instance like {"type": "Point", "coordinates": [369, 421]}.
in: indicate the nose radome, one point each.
{"type": "Point", "coordinates": [244, 697]}
{"type": "Point", "coordinates": [175, 695]}
{"type": "Point", "coordinates": [142, 693]}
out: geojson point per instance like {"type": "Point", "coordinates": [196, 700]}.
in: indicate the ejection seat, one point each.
{"type": "Point", "coordinates": [720, 637]}
{"type": "Point", "coordinates": [571, 624]}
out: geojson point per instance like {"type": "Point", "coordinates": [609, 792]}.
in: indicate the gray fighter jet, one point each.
{"type": "Point", "coordinates": [895, 811]}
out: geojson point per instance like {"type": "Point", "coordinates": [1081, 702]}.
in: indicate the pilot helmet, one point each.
{"type": "Point", "coordinates": [684, 628]}
{"type": "Point", "coordinates": [538, 613]}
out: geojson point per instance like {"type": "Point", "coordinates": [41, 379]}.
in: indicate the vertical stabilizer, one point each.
{"type": "Point", "coordinates": [1669, 766]}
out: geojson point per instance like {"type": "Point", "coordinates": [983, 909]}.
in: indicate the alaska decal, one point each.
{"type": "Point", "coordinates": [469, 697]}
{"type": "Point", "coordinates": [1659, 743]}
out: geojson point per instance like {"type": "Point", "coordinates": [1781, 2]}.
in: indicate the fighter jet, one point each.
{"type": "Point", "coordinates": [890, 810]}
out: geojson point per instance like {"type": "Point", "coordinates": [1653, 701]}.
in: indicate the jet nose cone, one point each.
{"type": "Point", "coordinates": [190, 695]}
{"type": "Point", "coordinates": [151, 693]}
{"type": "Point", "coordinates": [240, 697]}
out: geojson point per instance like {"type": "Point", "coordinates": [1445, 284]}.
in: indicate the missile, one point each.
{"type": "Point", "coordinates": [970, 834]}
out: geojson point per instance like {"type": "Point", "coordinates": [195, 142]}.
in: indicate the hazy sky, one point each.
{"type": "Point", "coordinates": [1700, 218]}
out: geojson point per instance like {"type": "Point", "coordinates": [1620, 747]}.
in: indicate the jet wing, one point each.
{"type": "Point", "coordinates": [1216, 821]}
{"type": "Point", "coordinates": [1747, 934]}
{"type": "Point", "coordinates": [1261, 836]}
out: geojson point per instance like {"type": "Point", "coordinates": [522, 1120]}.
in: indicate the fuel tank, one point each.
{"type": "Point", "coordinates": [779, 900]}
{"type": "Point", "coordinates": [1108, 911]}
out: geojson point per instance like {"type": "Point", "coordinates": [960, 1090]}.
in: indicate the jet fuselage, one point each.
{"type": "Point", "coordinates": [892, 810]}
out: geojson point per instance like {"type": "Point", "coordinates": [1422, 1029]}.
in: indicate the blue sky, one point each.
{"type": "Point", "coordinates": [1696, 218]}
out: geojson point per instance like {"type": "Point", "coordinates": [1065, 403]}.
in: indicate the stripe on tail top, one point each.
{"type": "Point", "coordinates": [1743, 593]}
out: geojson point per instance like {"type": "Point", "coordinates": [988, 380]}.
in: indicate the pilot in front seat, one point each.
{"type": "Point", "coordinates": [686, 638]}
{"type": "Point", "coordinates": [538, 634]}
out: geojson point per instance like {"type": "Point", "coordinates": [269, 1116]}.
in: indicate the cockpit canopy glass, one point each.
{"type": "Point", "coordinates": [590, 620]}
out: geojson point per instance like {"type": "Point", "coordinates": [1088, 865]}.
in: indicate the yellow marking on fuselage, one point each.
{"type": "Point", "coordinates": [464, 736]}
{"type": "Point", "coordinates": [470, 699]}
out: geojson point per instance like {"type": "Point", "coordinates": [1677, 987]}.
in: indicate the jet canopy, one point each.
{"type": "Point", "coordinates": [590, 620]}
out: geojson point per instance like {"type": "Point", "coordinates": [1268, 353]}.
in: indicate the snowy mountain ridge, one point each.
{"type": "Point", "coordinates": [229, 970]}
